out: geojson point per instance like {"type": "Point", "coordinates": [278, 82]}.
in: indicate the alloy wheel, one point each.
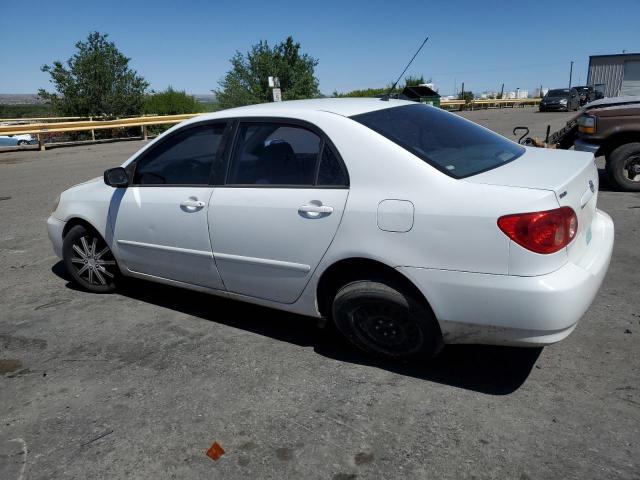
{"type": "Point", "coordinates": [93, 261]}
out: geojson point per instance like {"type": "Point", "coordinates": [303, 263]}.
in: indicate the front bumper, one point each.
{"type": "Point", "coordinates": [55, 228]}
{"type": "Point", "coordinates": [556, 107]}
{"type": "Point", "coordinates": [513, 310]}
{"type": "Point", "coordinates": [583, 146]}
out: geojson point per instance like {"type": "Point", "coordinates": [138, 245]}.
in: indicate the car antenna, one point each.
{"type": "Point", "coordinates": [385, 97]}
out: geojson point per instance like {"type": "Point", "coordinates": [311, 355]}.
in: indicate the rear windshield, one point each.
{"type": "Point", "coordinates": [558, 93]}
{"type": "Point", "coordinates": [451, 144]}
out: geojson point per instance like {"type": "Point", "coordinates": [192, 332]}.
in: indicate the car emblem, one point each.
{"type": "Point", "coordinates": [592, 186]}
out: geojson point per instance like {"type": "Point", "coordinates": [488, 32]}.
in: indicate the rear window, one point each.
{"type": "Point", "coordinates": [451, 144]}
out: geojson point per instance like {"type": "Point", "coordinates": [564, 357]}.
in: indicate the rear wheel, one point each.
{"type": "Point", "coordinates": [623, 166]}
{"type": "Point", "coordinates": [22, 143]}
{"type": "Point", "coordinates": [384, 321]}
{"type": "Point", "coordinates": [89, 260]}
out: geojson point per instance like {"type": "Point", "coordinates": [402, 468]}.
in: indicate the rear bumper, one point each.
{"type": "Point", "coordinates": [513, 310]}
{"type": "Point", "coordinates": [583, 146]}
{"type": "Point", "coordinates": [55, 228]}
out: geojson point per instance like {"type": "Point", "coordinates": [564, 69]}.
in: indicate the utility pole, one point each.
{"type": "Point", "coordinates": [570, 73]}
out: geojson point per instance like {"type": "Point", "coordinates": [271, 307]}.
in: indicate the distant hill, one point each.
{"type": "Point", "coordinates": [205, 97]}
{"type": "Point", "coordinates": [20, 99]}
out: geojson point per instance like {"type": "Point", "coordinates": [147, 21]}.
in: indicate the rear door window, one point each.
{"type": "Point", "coordinates": [278, 154]}
{"type": "Point", "coordinates": [448, 142]}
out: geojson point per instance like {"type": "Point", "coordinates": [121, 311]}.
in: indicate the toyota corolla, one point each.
{"type": "Point", "coordinates": [405, 225]}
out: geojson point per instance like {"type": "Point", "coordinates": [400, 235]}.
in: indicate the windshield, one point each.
{"type": "Point", "coordinates": [450, 143]}
{"type": "Point", "coordinates": [558, 93]}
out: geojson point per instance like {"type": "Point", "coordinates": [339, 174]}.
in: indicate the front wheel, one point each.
{"type": "Point", "coordinates": [22, 143]}
{"type": "Point", "coordinates": [623, 166]}
{"type": "Point", "coordinates": [89, 260]}
{"type": "Point", "coordinates": [384, 321]}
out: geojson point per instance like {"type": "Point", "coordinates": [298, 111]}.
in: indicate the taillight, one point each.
{"type": "Point", "coordinates": [541, 232]}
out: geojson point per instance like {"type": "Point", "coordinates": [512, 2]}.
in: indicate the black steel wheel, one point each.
{"type": "Point", "coordinates": [382, 320]}
{"type": "Point", "coordinates": [89, 260]}
{"type": "Point", "coordinates": [623, 166]}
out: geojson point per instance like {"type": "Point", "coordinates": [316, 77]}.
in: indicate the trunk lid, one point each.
{"type": "Point", "coordinates": [572, 176]}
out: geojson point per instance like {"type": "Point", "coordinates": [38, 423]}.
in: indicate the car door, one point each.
{"type": "Point", "coordinates": [279, 210]}
{"type": "Point", "coordinates": [160, 224]}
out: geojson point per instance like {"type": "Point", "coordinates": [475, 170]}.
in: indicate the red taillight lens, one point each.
{"type": "Point", "coordinates": [541, 232]}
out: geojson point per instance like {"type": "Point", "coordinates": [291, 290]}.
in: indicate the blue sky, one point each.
{"type": "Point", "coordinates": [359, 44]}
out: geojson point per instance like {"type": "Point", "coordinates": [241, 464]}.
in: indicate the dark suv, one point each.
{"type": "Point", "coordinates": [586, 94]}
{"type": "Point", "coordinates": [560, 99]}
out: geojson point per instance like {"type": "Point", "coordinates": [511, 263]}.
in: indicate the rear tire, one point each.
{"type": "Point", "coordinates": [89, 260]}
{"type": "Point", "coordinates": [623, 166]}
{"type": "Point", "coordinates": [383, 321]}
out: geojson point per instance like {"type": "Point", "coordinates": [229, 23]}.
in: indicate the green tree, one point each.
{"type": "Point", "coordinates": [96, 80]}
{"type": "Point", "coordinates": [412, 81]}
{"type": "Point", "coordinates": [171, 102]}
{"type": "Point", "coordinates": [248, 80]}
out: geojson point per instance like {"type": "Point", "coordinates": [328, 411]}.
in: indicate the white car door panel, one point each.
{"type": "Point", "coordinates": [274, 219]}
{"type": "Point", "coordinates": [163, 231]}
{"type": "Point", "coordinates": [266, 242]}
{"type": "Point", "coordinates": [160, 224]}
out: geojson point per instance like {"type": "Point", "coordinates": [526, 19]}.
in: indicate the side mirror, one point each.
{"type": "Point", "coordinates": [116, 177]}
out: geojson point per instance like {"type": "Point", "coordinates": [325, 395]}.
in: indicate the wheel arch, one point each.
{"type": "Point", "coordinates": [617, 140]}
{"type": "Point", "coordinates": [347, 270]}
{"type": "Point", "coordinates": [73, 221]}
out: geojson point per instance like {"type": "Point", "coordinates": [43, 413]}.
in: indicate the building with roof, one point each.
{"type": "Point", "coordinates": [615, 75]}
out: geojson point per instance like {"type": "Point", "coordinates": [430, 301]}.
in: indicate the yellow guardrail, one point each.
{"type": "Point", "coordinates": [42, 119]}
{"type": "Point", "coordinates": [485, 102]}
{"type": "Point", "coordinates": [43, 128]}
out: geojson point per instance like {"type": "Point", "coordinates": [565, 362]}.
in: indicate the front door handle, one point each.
{"type": "Point", "coordinates": [192, 204]}
{"type": "Point", "coordinates": [315, 210]}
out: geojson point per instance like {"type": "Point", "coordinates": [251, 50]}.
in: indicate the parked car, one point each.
{"type": "Point", "coordinates": [16, 140]}
{"type": "Point", "coordinates": [561, 99]}
{"type": "Point", "coordinates": [586, 94]}
{"type": "Point", "coordinates": [406, 225]}
{"type": "Point", "coordinates": [611, 127]}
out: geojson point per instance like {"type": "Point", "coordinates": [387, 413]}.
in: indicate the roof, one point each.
{"type": "Point", "coordinates": [340, 106]}
{"type": "Point", "coordinates": [615, 55]}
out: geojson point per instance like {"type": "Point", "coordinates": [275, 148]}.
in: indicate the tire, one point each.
{"type": "Point", "coordinates": [623, 166]}
{"type": "Point", "coordinates": [89, 260]}
{"type": "Point", "coordinates": [22, 143]}
{"type": "Point", "coordinates": [385, 322]}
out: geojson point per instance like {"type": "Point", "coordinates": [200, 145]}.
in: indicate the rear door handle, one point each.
{"type": "Point", "coordinates": [192, 204]}
{"type": "Point", "coordinates": [314, 210]}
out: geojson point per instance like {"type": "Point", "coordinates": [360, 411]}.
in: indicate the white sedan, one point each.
{"type": "Point", "coordinates": [407, 226]}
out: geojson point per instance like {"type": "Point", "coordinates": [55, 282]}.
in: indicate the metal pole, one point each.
{"type": "Point", "coordinates": [570, 73]}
